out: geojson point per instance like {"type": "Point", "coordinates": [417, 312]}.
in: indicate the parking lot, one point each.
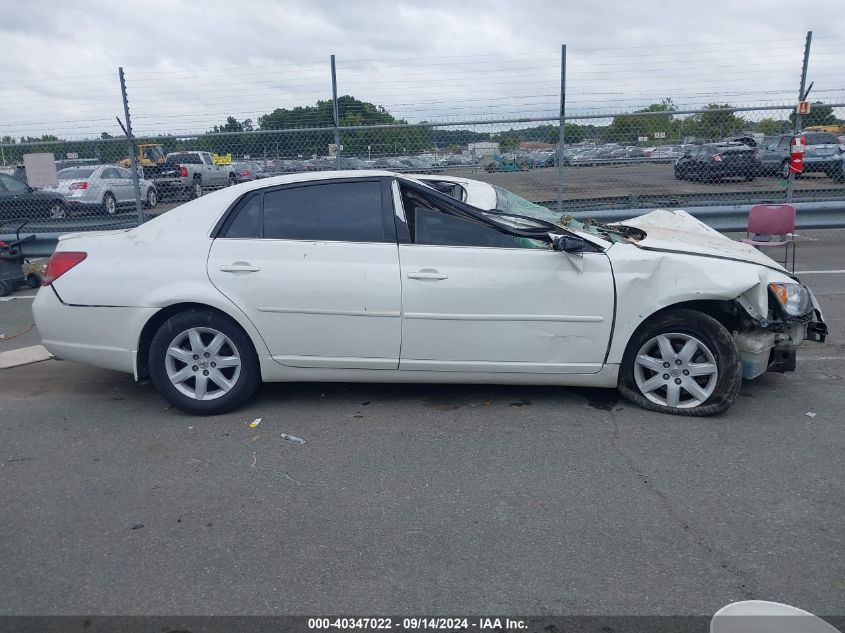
{"type": "Point", "coordinates": [426, 499]}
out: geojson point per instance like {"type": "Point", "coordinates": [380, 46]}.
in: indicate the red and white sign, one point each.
{"type": "Point", "coordinates": [803, 107]}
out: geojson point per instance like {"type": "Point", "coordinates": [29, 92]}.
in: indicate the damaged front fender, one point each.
{"type": "Point", "coordinates": [648, 281]}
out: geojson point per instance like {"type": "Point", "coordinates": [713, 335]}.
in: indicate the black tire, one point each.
{"type": "Point", "coordinates": [196, 188]}
{"type": "Point", "coordinates": [33, 280]}
{"type": "Point", "coordinates": [109, 204]}
{"type": "Point", "coordinates": [709, 332]}
{"type": "Point", "coordinates": [5, 288]}
{"type": "Point", "coordinates": [246, 382]}
{"type": "Point", "coordinates": [838, 175]}
{"type": "Point", "coordinates": [152, 198]}
{"type": "Point", "coordinates": [58, 210]}
{"type": "Point", "coordinates": [232, 180]}
{"type": "Point", "coordinates": [783, 172]}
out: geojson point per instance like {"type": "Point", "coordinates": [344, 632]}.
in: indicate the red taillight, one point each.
{"type": "Point", "coordinates": [245, 173]}
{"type": "Point", "coordinates": [60, 263]}
{"type": "Point", "coordinates": [183, 171]}
{"type": "Point", "coordinates": [78, 185]}
{"type": "Point", "coordinates": [717, 158]}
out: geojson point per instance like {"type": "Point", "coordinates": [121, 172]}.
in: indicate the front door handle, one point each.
{"type": "Point", "coordinates": [239, 267]}
{"type": "Point", "coordinates": [427, 274]}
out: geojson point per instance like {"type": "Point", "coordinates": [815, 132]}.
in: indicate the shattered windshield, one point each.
{"type": "Point", "coordinates": [509, 202]}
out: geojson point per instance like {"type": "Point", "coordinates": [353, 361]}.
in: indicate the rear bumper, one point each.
{"type": "Point", "coordinates": [102, 336]}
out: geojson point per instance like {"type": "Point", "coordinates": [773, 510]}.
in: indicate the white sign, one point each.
{"type": "Point", "coordinates": [72, 155]}
{"type": "Point", "coordinates": [40, 170]}
{"type": "Point", "coordinates": [642, 138]}
{"type": "Point", "coordinates": [333, 149]}
{"type": "Point", "coordinates": [660, 135]}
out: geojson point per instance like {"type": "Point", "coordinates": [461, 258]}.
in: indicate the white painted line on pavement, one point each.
{"type": "Point", "coordinates": [807, 359]}
{"type": "Point", "coordinates": [20, 297]}
{"type": "Point", "coordinates": [820, 272]}
{"type": "Point", "coordinates": [24, 356]}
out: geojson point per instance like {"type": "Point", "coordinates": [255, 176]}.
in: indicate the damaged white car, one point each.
{"type": "Point", "coordinates": [374, 276]}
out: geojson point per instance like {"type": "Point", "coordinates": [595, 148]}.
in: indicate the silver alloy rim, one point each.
{"type": "Point", "coordinates": [197, 189]}
{"type": "Point", "coordinates": [57, 211]}
{"type": "Point", "coordinates": [152, 198]}
{"type": "Point", "coordinates": [203, 363]}
{"type": "Point", "coordinates": [676, 370]}
{"type": "Point", "coordinates": [111, 205]}
{"type": "Point", "coordinates": [784, 170]}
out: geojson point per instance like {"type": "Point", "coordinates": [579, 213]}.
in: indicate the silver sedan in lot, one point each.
{"type": "Point", "coordinates": [102, 187]}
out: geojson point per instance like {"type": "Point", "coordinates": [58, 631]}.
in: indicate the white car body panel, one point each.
{"type": "Point", "coordinates": [314, 308]}
{"type": "Point", "coordinates": [348, 311]}
{"type": "Point", "coordinates": [504, 310]}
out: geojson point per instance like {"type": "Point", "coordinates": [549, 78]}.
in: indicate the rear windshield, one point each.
{"type": "Point", "coordinates": [75, 173]}
{"type": "Point", "coordinates": [186, 159]}
{"type": "Point", "coordinates": [821, 138]}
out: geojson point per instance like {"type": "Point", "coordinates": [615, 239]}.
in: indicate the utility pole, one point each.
{"type": "Point", "coordinates": [802, 95]}
{"type": "Point", "coordinates": [561, 132]}
{"type": "Point", "coordinates": [336, 116]}
{"type": "Point", "coordinates": [131, 141]}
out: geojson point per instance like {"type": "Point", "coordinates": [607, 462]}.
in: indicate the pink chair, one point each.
{"type": "Point", "coordinates": [772, 225]}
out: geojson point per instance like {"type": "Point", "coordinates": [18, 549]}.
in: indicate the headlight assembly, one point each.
{"type": "Point", "coordinates": [793, 298]}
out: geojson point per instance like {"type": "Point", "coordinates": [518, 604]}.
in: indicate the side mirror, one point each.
{"type": "Point", "coordinates": [568, 244]}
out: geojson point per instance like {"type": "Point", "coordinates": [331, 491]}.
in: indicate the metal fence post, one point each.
{"type": "Point", "coordinates": [561, 131]}
{"type": "Point", "coordinates": [336, 117]}
{"type": "Point", "coordinates": [130, 139]}
{"type": "Point", "coordinates": [790, 182]}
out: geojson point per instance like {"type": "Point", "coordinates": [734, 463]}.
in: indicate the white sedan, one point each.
{"type": "Point", "coordinates": [372, 276]}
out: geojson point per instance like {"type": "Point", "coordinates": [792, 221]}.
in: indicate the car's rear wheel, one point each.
{"type": "Point", "coordinates": [784, 169]}
{"type": "Point", "coordinates": [152, 198]}
{"type": "Point", "coordinates": [203, 363]}
{"type": "Point", "coordinates": [683, 362]}
{"type": "Point", "coordinates": [196, 189]}
{"type": "Point", "coordinates": [109, 204]}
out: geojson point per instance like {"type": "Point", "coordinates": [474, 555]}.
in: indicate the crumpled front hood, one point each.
{"type": "Point", "coordinates": [679, 232]}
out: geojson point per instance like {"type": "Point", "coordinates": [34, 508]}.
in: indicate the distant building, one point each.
{"type": "Point", "coordinates": [483, 149]}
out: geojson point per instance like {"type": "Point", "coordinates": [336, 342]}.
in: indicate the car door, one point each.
{"type": "Point", "coordinates": [110, 181]}
{"type": "Point", "coordinates": [125, 184]}
{"type": "Point", "coordinates": [315, 266]}
{"type": "Point", "coordinates": [217, 175]}
{"type": "Point", "coordinates": [475, 299]}
{"type": "Point", "coordinates": [775, 154]}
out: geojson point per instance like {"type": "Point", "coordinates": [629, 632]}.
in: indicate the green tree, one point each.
{"type": "Point", "coordinates": [717, 121]}
{"type": "Point", "coordinates": [628, 128]}
{"type": "Point", "coordinates": [820, 114]}
{"type": "Point", "coordinates": [770, 127]}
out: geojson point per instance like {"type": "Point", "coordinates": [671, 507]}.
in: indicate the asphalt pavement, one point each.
{"type": "Point", "coordinates": [423, 499]}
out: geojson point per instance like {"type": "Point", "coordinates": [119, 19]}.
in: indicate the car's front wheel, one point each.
{"type": "Point", "coordinates": [683, 362]}
{"type": "Point", "coordinates": [203, 363]}
{"type": "Point", "coordinates": [152, 198]}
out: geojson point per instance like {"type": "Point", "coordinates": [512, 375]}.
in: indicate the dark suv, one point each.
{"type": "Point", "coordinates": [823, 153]}
{"type": "Point", "coordinates": [715, 161]}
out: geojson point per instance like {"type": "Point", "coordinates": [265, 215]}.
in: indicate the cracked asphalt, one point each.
{"type": "Point", "coordinates": [418, 499]}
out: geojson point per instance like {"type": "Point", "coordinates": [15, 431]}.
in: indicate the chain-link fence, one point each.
{"type": "Point", "coordinates": [718, 134]}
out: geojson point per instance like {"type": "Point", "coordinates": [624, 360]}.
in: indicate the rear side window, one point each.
{"type": "Point", "coordinates": [247, 221]}
{"type": "Point", "coordinates": [347, 211]}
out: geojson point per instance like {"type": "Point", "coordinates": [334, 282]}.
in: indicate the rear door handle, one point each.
{"type": "Point", "coordinates": [239, 268]}
{"type": "Point", "coordinates": [427, 274]}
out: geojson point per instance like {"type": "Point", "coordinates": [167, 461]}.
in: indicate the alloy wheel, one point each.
{"type": "Point", "coordinates": [203, 363]}
{"type": "Point", "coordinates": [676, 370]}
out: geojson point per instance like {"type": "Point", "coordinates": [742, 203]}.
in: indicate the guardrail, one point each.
{"type": "Point", "coordinates": [810, 215]}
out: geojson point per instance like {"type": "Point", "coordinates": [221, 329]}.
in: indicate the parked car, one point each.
{"type": "Point", "coordinates": [717, 161]}
{"type": "Point", "coordinates": [103, 187]}
{"type": "Point", "coordinates": [822, 153]}
{"type": "Point", "coordinates": [190, 173]}
{"type": "Point", "coordinates": [324, 277]}
{"type": "Point", "coordinates": [19, 200]}
{"type": "Point", "coordinates": [246, 171]}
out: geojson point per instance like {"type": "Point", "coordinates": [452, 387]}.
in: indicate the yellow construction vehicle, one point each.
{"type": "Point", "coordinates": [833, 129]}
{"type": "Point", "coordinates": [149, 156]}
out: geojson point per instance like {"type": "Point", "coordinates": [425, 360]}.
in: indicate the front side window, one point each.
{"type": "Point", "coordinates": [432, 223]}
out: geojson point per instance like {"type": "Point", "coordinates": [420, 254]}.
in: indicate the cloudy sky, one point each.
{"type": "Point", "coordinates": [190, 64]}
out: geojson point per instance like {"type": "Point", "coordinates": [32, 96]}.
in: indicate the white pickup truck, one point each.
{"type": "Point", "coordinates": [191, 173]}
